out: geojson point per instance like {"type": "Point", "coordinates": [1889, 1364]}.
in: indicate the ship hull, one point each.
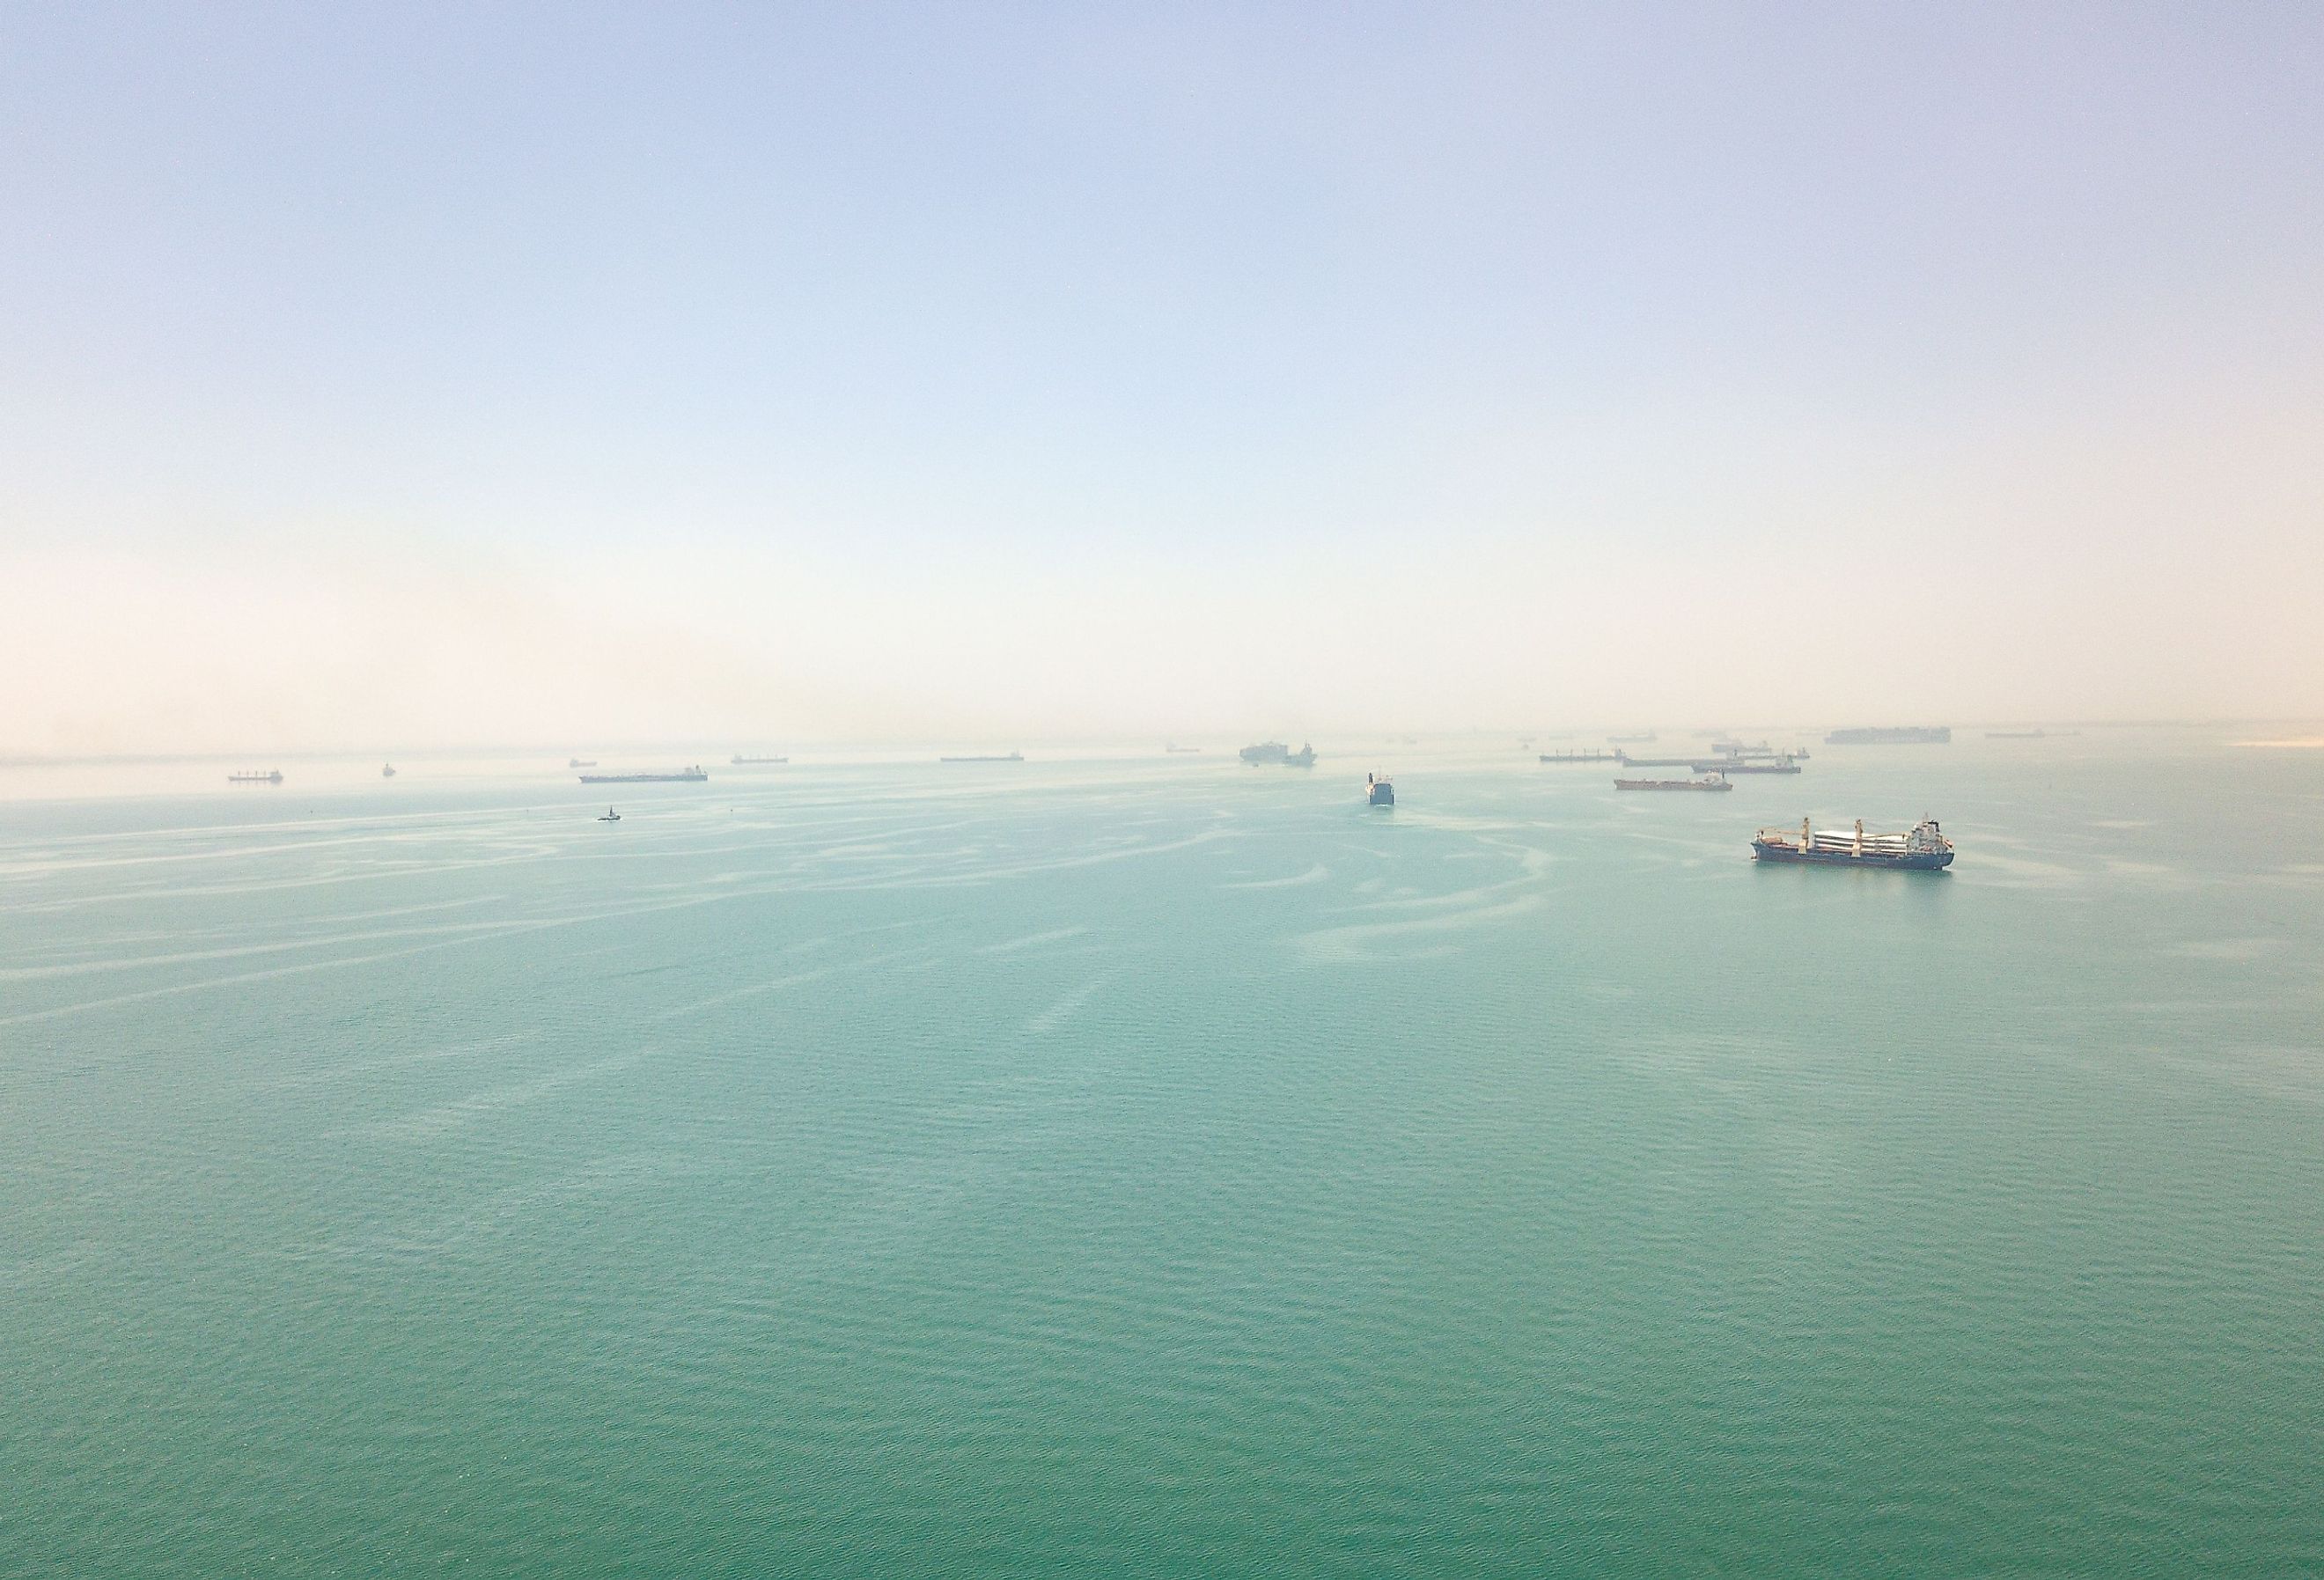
{"type": "Point", "coordinates": [644, 778]}
{"type": "Point", "coordinates": [1916, 861]}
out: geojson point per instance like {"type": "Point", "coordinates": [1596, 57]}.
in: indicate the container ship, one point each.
{"type": "Point", "coordinates": [683, 776]}
{"type": "Point", "coordinates": [1278, 753]}
{"type": "Point", "coordinates": [1924, 849]}
{"type": "Point", "coordinates": [1893, 735]}
{"type": "Point", "coordinates": [1378, 791]}
{"type": "Point", "coordinates": [1713, 783]}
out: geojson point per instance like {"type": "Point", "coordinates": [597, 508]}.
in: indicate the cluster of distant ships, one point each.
{"type": "Point", "coordinates": [1923, 847]}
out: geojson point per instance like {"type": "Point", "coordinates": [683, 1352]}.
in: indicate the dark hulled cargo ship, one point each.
{"type": "Point", "coordinates": [1924, 849]}
{"type": "Point", "coordinates": [1378, 791]}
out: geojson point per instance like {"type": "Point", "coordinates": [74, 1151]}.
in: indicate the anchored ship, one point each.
{"type": "Point", "coordinates": [683, 776]}
{"type": "Point", "coordinates": [1893, 735]}
{"type": "Point", "coordinates": [1924, 849]}
{"type": "Point", "coordinates": [1745, 765]}
{"type": "Point", "coordinates": [1378, 791]}
{"type": "Point", "coordinates": [1277, 752]}
{"type": "Point", "coordinates": [580, 763]}
{"type": "Point", "coordinates": [1713, 783]}
{"type": "Point", "coordinates": [747, 761]}
{"type": "Point", "coordinates": [1005, 757]}
{"type": "Point", "coordinates": [255, 777]}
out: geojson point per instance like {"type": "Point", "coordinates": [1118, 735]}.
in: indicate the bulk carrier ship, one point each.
{"type": "Point", "coordinates": [1924, 849]}
{"type": "Point", "coordinates": [683, 776]}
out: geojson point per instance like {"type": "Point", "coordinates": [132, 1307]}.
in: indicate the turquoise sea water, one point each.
{"type": "Point", "coordinates": [1154, 1167]}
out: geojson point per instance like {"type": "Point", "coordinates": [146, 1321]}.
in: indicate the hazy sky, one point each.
{"type": "Point", "coordinates": [411, 375]}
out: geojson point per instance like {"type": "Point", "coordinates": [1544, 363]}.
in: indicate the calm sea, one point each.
{"type": "Point", "coordinates": [1154, 1167]}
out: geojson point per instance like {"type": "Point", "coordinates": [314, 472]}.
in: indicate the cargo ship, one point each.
{"type": "Point", "coordinates": [1924, 849]}
{"type": "Point", "coordinates": [748, 762]}
{"type": "Point", "coordinates": [580, 763]}
{"type": "Point", "coordinates": [1745, 765]}
{"type": "Point", "coordinates": [1278, 753]}
{"type": "Point", "coordinates": [1892, 736]}
{"type": "Point", "coordinates": [1378, 791]}
{"type": "Point", "coordinates": [683, 776]}
{"type": "Point", "coordinates": [253, 777]}
{"type": "Point", "coordinates": [1004, 757]}
{"type": "Point", "coordinates": [1712, 784]}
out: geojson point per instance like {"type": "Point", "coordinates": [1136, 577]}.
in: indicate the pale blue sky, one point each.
{"type": "Point", "coordinates": [994, 368]}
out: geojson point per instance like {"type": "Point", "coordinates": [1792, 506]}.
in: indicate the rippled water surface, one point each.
{"type": "Point", "coordinates": [1161, 1167]}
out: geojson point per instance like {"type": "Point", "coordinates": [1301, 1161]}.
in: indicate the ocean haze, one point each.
{"type": "Point", "coordinates": [448, 377]}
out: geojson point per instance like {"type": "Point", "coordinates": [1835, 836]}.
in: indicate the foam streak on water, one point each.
{"type": "Point", "coordinates": [1168, 1169]}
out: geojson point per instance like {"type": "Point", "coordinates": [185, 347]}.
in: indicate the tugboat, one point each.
{"type": "Point", "coordinates": [1378, 791]}
{"type": "Point", "coordinates": [1924, 850]}
{"type": "Point", "coordinates": [611, 816]}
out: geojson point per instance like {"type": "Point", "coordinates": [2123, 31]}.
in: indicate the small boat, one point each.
{"type": "Point", "coordinates": [1378, 791]}
{"type": "Point", "coordinates": [611, 816]}
{"type": "Point", "coordinates": [387, 771]}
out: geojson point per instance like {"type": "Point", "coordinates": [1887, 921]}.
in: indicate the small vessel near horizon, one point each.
{"type": "Point", "coordinates": [387, 771]}
{"type": "Point", "coordinates": [1277, 752]}
{"type": "Point", "coordinates": [1003, 757]}
{"type": "Point", "coordinates": [252, 776]}
{"type": "Point", "coordinates": [1924, 849]}
{"type": "Point", "coordinates": [741, 761]}
{"type": "Point", "coordinates": [1175, 750]}
{"type": "Point", "coordinates": [611, 816]}
{"type": "Point", "coordinates": [683, 776]}
{"type": "Point", "coordinates": [580, 763]}
{"type": "Point", "coordinates": [1378, 791]}
{"type": "Point", "coordinates": [1715, 783]}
